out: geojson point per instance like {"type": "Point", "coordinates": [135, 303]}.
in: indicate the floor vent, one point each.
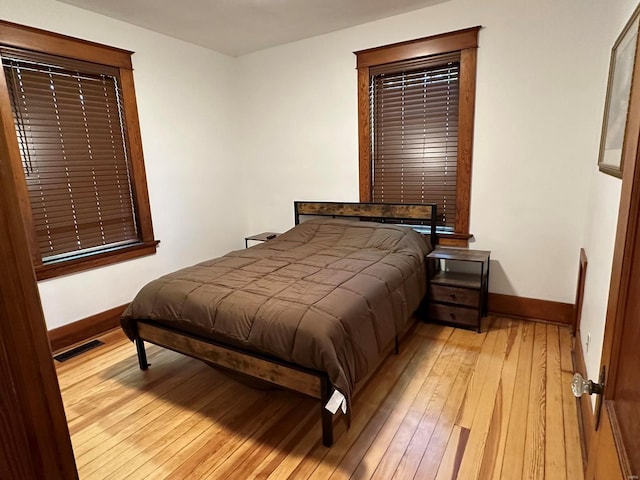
{"type": "Point", "coordinates": [74, 352]}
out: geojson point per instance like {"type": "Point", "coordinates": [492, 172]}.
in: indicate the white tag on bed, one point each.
{"type": "Point", "coordinates": [336, 401]}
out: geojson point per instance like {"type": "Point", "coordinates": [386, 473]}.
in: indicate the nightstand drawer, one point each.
{"type": "Point", "coordinates": [461, 296]}
{"type": "Point", "coordinates": [457, 315]}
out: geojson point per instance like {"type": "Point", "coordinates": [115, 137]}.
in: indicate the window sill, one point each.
{"type": "Point", "coordinates": [65, 267]}
{"type": "Point", "coordinates": [451, 239]}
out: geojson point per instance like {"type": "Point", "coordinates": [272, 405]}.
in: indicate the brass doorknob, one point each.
{"type": "Point", "coordinates": [580, 386]}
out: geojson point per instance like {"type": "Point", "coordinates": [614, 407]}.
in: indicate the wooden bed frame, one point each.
{"type": "Point", "coordinates": [312, 383]}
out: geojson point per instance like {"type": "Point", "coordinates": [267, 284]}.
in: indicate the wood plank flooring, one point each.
{"type": "Point", "coordinates": [453, 404]}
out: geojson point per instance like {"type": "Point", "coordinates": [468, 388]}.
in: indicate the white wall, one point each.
{"type": "Point", "coordinates": [542, 69]}
{"type": "Point", "coordinates": [598, 244]}
{"type": "Point", "coordinates": [186, 120]}
{"type": "Point", "coordinates": [600, 228]}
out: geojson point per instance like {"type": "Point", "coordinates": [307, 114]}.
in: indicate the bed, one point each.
{"type": "Point", "coordinates": [314, 310]}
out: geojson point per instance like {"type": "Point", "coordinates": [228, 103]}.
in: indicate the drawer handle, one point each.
{"type": "Point", "coordinates": [452, 295]}
{"type": "Point", "coordinates": [452, 315]}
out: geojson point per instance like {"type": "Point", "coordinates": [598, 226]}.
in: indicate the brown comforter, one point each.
{"type": "Point", "coordinates": [328, 295]}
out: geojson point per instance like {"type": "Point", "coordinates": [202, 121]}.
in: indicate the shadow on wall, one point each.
{"type": "Point", "coordinates": [498, 280]}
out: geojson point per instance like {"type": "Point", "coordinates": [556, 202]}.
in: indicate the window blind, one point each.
{"type": "Point", "coordinates": [70, 127]}
{"type": "Point", "coordinates": [414, 133]}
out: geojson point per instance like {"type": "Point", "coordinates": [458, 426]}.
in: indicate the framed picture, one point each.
{"type": "Point", "coordinates": [616, 110]}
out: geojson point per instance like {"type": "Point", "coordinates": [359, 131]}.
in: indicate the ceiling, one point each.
{"type": "Point", "coordinates": [238, 27]}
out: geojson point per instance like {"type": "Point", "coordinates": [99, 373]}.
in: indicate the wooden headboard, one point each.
{"type": "Point", "coordinates": [376, 212]}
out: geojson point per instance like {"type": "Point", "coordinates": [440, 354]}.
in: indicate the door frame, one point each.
{"type": "Point", "coordinates": [34, 436]}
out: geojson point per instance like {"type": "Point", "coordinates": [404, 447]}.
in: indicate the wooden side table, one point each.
{"type": "Point", "coordinates": [458, 286]}
{"type": "Point", "coordinates": [260, 237]}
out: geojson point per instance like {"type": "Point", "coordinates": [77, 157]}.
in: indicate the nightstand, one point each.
{"type": "Point", "coordinates": [458, 286]}
{"type": "Point", "coordinates": [260, 237]}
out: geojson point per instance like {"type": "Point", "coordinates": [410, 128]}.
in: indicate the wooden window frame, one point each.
{"type": "Point", "coordinates": [466, 42]}
{"type": "Point", "coordinates": [19, 36]}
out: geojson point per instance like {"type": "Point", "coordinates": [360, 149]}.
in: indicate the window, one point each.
{"type": "Point", "coordinates": [77, 146]}
{"type": "Point", "coordinates": [415, 108]}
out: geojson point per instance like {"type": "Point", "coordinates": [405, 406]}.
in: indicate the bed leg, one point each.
{"type": "Point", "coordinates": [142, 354]}
{"type": "Point", "coordinates": [397, 345]}
{"type": "Point", "coordinates": [327, 416]}
{"type": "Point", "coordinates": [327, 427]}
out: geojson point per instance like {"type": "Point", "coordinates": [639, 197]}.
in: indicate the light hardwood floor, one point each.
{"type": "Point", "coordinates": [452, 405]}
